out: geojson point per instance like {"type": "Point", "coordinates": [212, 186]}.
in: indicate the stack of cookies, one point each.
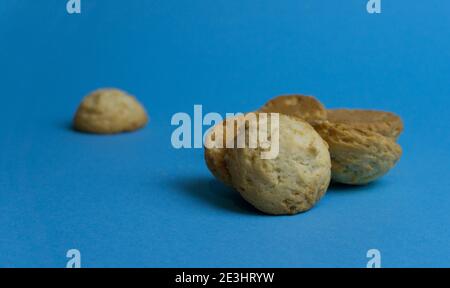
{"type": "Point", "coordinates": [315, 145]}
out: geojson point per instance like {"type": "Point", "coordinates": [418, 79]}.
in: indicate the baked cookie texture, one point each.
{"type": "Point", "coordinates": [292, 182]}
{"type": "Point", "coordinates": [304, 107]}
{"type": "Point", "coordinates": [109, 111]}
{"type": "Point", "coordinates": [384, 123]}
{"type": "Point", "coordinates": [350, 146]}
{"type": "Point", "coordinates": [215, 156]}
{"type": "Point", "coordinates": [358, 156]}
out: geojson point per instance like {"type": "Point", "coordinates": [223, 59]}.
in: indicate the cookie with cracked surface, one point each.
{"type": "Point", "coordinates": [304, 107]}
{"type": "Point", "coordinates": [290, 183]}
{"type": "Point", "coordinates": [215, 147]}
{"type": "Point", "coordinates": [358, 156]}
{"type": "Point", "coordinates": [385, 123]}
{"type": "Point", "coordinates": [109, 111]}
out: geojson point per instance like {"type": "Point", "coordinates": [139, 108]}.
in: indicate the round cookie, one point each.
{"type": "Point", "coordinates": [304, 107]}
{"type": "Point", "coordinates": [385, 123]}
{"type": "Point", "coordinates": [108, 111]}
{"type": "Point", "coordinates": [290, 183]}
{"type": "Point", "coordinates": [358, 156]}
{"type": "Point", "coordinates": [215, 156]}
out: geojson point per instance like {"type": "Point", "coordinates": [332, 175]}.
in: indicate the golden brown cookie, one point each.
{"type": "Point", "coordinates": [215, 152]}
{"type": "Point", "coordinates": [108, 111]}
{"type": "Point", "coordinates": [385, 123]}
{"type": "Point", "coordinates": [304, 107]}
{"type": "Point", "coordinates": [358, 156]}
{"type": "Point", "coordinates": [290, 183]}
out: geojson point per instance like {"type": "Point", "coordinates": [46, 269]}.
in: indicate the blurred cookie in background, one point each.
{"type": "Point", "coordinates": [109, 111]}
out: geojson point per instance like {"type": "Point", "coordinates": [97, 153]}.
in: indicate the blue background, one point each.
{"type": "Point", "coordinates": [133, 200]}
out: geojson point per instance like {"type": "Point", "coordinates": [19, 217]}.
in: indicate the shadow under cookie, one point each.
{"type": "Point", "coordinates": [341, 188]}
{"type": "Point", "coordinates": [211, 191]}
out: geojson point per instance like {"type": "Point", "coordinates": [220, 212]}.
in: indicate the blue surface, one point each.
{"type": "Point", "coordinates": [133, 200]}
